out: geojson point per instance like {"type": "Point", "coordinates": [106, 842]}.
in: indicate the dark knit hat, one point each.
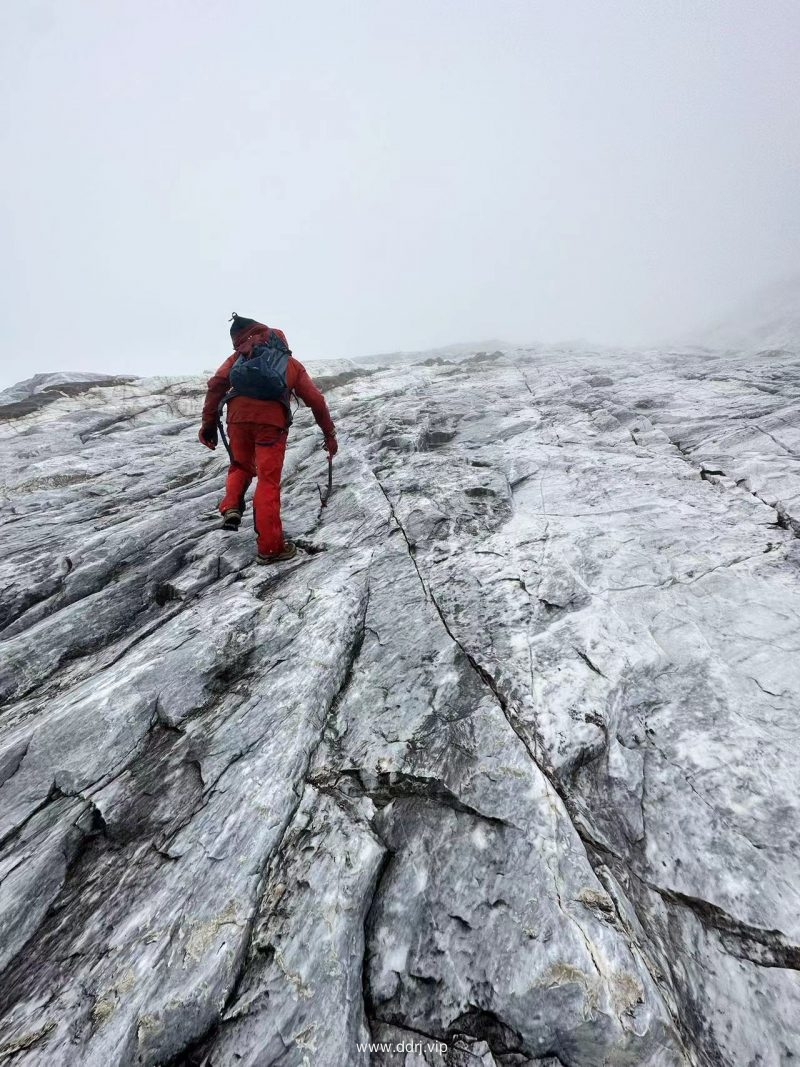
{"type": "Point", "coordinates": [239, 324]}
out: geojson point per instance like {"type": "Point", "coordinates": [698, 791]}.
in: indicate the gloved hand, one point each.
{"type": "Point", "coordinates": [331, 446]}
{"type": "Point", "coordinates": [208, 436]}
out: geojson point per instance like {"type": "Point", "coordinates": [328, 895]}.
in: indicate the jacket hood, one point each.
{"type": "Point", "coordinates": [257, 334]}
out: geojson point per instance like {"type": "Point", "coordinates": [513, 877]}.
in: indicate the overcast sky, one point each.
{"type": "Point", "coordinates": [373, 175]}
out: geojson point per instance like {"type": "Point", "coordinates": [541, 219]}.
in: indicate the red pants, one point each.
{"type": "Point", "coordinates": [258, 452]}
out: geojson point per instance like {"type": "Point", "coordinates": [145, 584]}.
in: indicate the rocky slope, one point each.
{"type": "Point", "coordinates": [507, 759]}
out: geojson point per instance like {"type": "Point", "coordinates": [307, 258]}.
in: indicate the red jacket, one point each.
{"type": "Point", "coordinates": [266, 412]}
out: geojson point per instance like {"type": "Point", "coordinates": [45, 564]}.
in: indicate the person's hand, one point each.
{"type": "Point", "coordinates": [208, 436]}
{"type": "Point", "coordinates": [331, 446]}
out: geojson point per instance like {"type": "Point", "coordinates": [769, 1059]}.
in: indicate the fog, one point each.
{"type": "Point", "coordinates": [374, 176]}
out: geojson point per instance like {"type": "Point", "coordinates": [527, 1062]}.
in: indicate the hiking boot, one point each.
{"type": "Point", "coordinates": [289, 551]}
{"type": "Point", "coordinates": [231, 519]}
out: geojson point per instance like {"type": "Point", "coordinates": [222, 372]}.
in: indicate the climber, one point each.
{"type": "Point", "coordinates": [256, 384]}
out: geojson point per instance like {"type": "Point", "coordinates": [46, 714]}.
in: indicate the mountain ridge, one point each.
{"type": "Point", "coordinates": [768, 320]}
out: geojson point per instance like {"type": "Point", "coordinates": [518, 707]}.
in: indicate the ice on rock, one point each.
{"type": "Point", "coordinates": [505, 761]}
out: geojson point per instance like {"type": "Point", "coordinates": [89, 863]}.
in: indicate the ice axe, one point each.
{"type": "Point", "coordinates": [326, 492]}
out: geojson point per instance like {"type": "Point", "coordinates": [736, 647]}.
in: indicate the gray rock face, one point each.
{"type": "Point", "coordinates": [43, 389]}
{"type": "Point", "coordinates": [501, 769]}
